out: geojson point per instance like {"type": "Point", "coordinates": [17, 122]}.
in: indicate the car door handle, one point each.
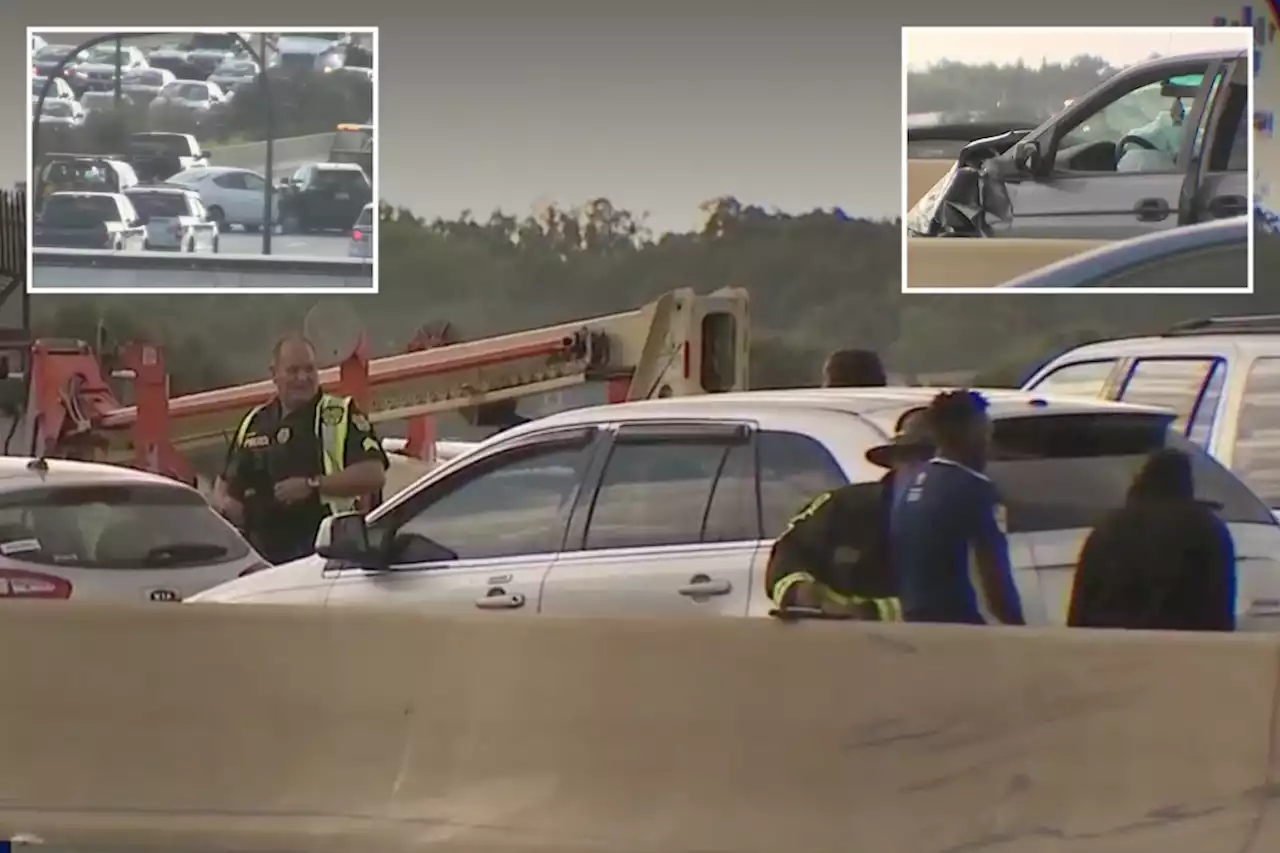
{"type": "Point", "coordinates": [701, 585]}
{"type": "Point", "coordinates": [1263, 607]}
{"type": "Point", "coordinates": [499, 599]}
{"type": "Point", "coordinates": [1152, 210]}
{"type": "Point", "coordinates": [1224, 206]}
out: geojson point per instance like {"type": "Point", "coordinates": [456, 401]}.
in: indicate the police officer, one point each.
{"type": "Point", "coordinates": [947, 539]}
{"type": "Point", "coordinates": [833, 556]}
{"type": "Point", "coordinates": [294, 460]}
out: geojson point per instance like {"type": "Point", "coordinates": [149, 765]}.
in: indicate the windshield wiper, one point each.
{"type": "Point", "coordinates": [177, 553]}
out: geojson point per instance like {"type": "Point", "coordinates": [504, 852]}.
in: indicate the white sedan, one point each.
{"type": "Point", "coordinates": [60, 90]}
{"type": "Point", "coordinates": [233, 196]}
{"type": "Point", "coordinates": [175, 219]}
{"type": "Point", "coordinates": [362, 234]}
{"type": "Point", "coordinates": [106, 533]}
{"type": "Point", "coordinates": [670, 506]}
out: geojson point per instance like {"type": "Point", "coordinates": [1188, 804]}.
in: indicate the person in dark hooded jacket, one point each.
{"type": "Point", "coordinates": [1164, 561]}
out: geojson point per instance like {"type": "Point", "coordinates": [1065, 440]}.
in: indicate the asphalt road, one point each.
{"type": "Point", "coordinates": [314, 245]}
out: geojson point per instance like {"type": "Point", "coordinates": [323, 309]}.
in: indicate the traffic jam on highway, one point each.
{"type": "Point", "coordinates": [162, 184]}
{"type": "Point", "coordinates": [665, 506]}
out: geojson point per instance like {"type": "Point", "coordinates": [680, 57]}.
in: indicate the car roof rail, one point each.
{"type": "Point", "coordinates": [1257, 324]}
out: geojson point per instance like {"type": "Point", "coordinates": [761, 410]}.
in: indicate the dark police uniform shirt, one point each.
{"type": "Point", "coordinates": [279, 446]}
{"type": "Point", "coordinates": [943, 513]}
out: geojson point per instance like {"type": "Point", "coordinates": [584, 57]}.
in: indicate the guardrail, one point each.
{"type": "Point", "coordinates": [260, 729]}
{"type": "Point", "coordinates": [70, 270]}
{"type": "Point", "coordinates": [293, 151]}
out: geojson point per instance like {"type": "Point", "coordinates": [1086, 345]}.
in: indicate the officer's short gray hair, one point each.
{"type": "Point", "coordinates": [290, 338]}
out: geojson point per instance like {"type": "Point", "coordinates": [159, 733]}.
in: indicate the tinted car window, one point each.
{"type": "Point", "coordinates": [1089, 460]}
{"type": "Point", "coordinates": [1225, 266]}
{"type": "Point", "coordinates": [1171, 383]}
{"type": "Point", "coordinates": [503, 507]}
{"type": "Point", "coordinates": [115, 527]}
{"type": "Point", "coordinates": [1081, 379]}
{"type": "Point", "coordinates": [794, 469]}
{"type": "Point", "coordinates": [366, 217]}
{"type": "Point", "coordinates": [158, 204]}
{"type": "Point", "coordinates": [79, 211]}
{"type": "Point", "coordinates": [339, 179]}
{"type": "Point", "coordinates": [654, 493]}
{"type": "Point", "coordinates": [1256, 457]}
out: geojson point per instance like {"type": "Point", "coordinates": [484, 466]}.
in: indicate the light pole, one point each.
{"type": "Point", "coordinates": [37, 190]}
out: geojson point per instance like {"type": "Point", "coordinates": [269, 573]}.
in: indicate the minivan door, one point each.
{"type": "Point", "coordinates": [1218, 183]}
{"type": "Point", "coordinates": [1092, 190]}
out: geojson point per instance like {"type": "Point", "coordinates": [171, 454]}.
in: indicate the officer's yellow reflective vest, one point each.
{"type": "Point", "coordinates": [333, 420]}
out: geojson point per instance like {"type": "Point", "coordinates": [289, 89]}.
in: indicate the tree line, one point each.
{"type": "Point", "coordinates": [964, 93]}
{"type": "Point", "coordinates": [818, 281]}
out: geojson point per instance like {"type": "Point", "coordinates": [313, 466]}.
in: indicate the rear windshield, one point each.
{"type": "Point", "coordinates": [161, 144]}
{"type": "Point", "coordinates": [1068, 471]}
{"type": "Point", "coordinates": [58, 109]}
{"type": "Point", "coordinates": [145, 78]}
{"type": "Point", "coordinates": [188, 91]}
{"type": "Point", "coordinates": [162, 205]}
{"type": "Point", "coordinates": [115, 527]}
{"type": "Point", "coordinates": [335, 179]}
{"type": "Point", "coordinates": [79, 211]}
{"type": "Point", "coordinates": [366, 217]}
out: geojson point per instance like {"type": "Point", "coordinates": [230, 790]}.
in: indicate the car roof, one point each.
{"type": "Point", "coordinates": [879, 406]}
{"type": "Point", "coordinates": [21, 472]}
{"type": "Point", "coordinates": [155, 189]}
{"type": "Point", "coordinates": [337, 167]}
{"type": "Point", "coordinates": [1082, 269]}
{"type": "Point", "coordinates": [78, 194]}
{"type": "Point", "coordinates": [1238, 345]}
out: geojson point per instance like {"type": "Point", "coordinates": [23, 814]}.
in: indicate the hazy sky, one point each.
{"type": "Point", "coordinates": [1006, 45]}
{"type": "Point", "coordinates": [658, 105]}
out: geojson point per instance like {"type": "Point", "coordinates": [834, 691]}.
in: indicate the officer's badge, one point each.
{"type": "Point", "coordinates": [282, 435]}
{"type": "Point", "coordinates": [1002, 518]}
{"type": "Point", "coordinates": [331, 415]}
{"type": "Point", "coordinates": [254, 441]}
{"type": "Point", "coordinates": [360, 422]}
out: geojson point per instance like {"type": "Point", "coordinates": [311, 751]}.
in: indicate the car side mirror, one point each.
{"type": "Point", "coordinates": [345, 537]}
{"type": "Point", "coordinates": [285, 182]}
{"type": "Point", "coordinates": [1028, 159]}
{"type": "Point", "coordinates": [208, 155]}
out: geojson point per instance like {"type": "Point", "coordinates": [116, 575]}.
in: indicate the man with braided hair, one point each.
{"type": "Point", "coordinates": [947, 538]}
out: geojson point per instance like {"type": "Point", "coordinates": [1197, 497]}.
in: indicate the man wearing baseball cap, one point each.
{"type": "Point", "coordinates": [834, 556]}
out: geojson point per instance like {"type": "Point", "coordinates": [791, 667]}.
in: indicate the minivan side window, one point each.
{"type": "Point", "coordinates": [1171, 383]}
{"type": "Point", "coordinates": [508, 506]}
{"type": "Point", "coordinates": [1091, 459]}
{"type": "Point", "coordinates": [794, 469]}
{"type": "Point", "coordinates": [1078, 379]}
{"type": "Point", "coordinates": [657, 492]}
{"type": "Point", "coordinates": [1256, 456]}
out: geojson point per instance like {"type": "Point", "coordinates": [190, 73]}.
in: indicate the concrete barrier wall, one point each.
{"type": "Point", "coordinates": [289, 154]}
{"type": "Point", "coordinates": [983, 262]}
{"type": "Point", "coordinates": [271, 728]}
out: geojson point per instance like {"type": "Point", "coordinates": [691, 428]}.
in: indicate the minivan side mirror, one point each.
{"type": "Point", "coordinates": [1028, 159]}
{"type": "Point", "coordinates": [345, 537]}
{"type": "Point", "coordinates": [208, 155]}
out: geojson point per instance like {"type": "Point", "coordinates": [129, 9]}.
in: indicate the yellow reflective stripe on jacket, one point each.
{"type": "Point", "coordinates": [785, 583]}
{"type": "Point", "coordinates": [333, 445]}
{"type": "Point", "coordinates": [890, 609]}
{"type": "Point", "coordinates": [243, 429]}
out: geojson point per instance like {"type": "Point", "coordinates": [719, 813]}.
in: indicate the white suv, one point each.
{"type": "Point", "coordinates": [669, 507]}
{"type": "Point", "coordinates": [1219, 376]}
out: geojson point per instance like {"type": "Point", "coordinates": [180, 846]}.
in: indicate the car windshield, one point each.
{"type": "Point", "coordinates": [339, 179]}
{"type": "Point", "coordinates": [239, 66]}
{"type": "Point", "coordinates": [97, 99]}
{"type": "Point", "coordinates": [145, 78]}
{"type": "Point", "coordinates": [57, 108]}
{"type": "Point", "coordinates": [136, 526]}
{"type": "Point", "coordinates": [1090, 460]}
{"type": "Point", "coordinates": [189, 91]}
{"type": "Point", "coordinates": [71, 211]}
{"type": "Point", "coordinates": [163, 205]}
{"type": "Point", "coordinates": [106, 54]}
{"type": "Point", "coordinates": [53, 52]}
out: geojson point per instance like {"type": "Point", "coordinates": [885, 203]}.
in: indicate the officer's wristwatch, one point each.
{"type": "Point", "coordinates": [313, 483]}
